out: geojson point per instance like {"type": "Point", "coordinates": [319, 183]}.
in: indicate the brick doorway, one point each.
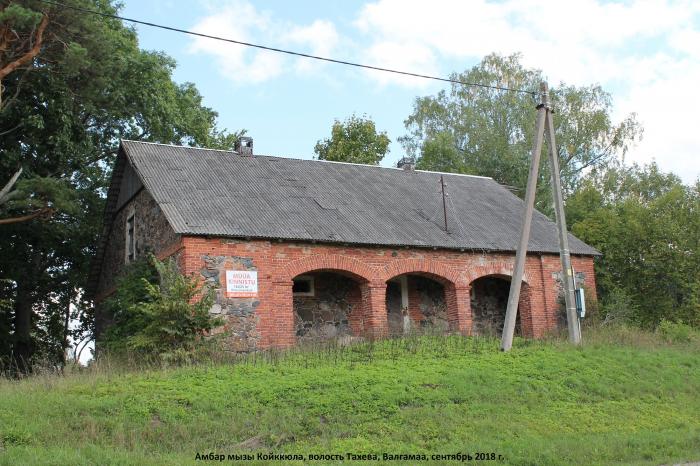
{"type": "Point", "coordinates": [416, 303]}
{"type": "Point", "coordinates": [327, 305]}
{"type": "Point", "coordinates": [489, 301]}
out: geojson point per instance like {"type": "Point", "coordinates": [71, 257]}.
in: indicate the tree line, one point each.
{"type": "Point", "coordinates": [72, 85]}
{"type": "Point", "coordinates": [644, 221]}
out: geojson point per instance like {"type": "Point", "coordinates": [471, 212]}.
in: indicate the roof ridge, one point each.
{"type": "Point", "coordinates": [179, 146]}
{"type": "Point", "coordinates": [307, 160]}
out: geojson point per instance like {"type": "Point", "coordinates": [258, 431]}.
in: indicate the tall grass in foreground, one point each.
{"type": "Point", "coordinates": [357, 351]}
{"type": "Point", "coordinates": [624, 397]}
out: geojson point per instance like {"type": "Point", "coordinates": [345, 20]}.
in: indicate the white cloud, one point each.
{"type": "Point", "coordinates": [667, 106]}
{"type": "Point", "coordinates": [241, 21]}
{"type": "Point", "coordinates": [320, 38]}
{"type": "Point", "coordinates": [644, 52]}
{"type": "Point", "coordinates": [412, 57]}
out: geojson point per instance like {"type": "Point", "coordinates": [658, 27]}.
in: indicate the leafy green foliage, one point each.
{"type": "Point", "coordinates": [171, 320]}
{"type": "Point", "coordinates": [489, 132]}
{"type": "Point", "coordinates": [19, 18]}
{"type": "Point", "coordinates": [618, 307]}
{"type": "Point", "coordinates": [164, 316]}
{"type": "Point", "coordinates": [545, 403]}
{"type": "Point", "coordinates": [61, 119]}
{"type": "Point", "coordinates": [439, 153]}
{"type": "Point", "coordinates": [37, 192]}
{"type": "Point", "coordinates": [355, 140]}
{"type": "Point", "coordinates": [647, 225]}
{"type": "Point", "coordinates": [676, 332]}
{"type": "Point", "coordinates": [6, 306]}
{"type": "Point", "coordinates": [123, 306]}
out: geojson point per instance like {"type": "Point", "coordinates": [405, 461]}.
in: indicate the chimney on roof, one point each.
{"type": "Point", "coordinates": [407, 163]}
{"type": "Point", "coordinates": [244, 146]}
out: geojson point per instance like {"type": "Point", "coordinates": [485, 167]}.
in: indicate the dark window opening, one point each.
{"type": "Point", "coordinates": [303, 286]}
{"type": "Point", "coordinates": [130, 246]}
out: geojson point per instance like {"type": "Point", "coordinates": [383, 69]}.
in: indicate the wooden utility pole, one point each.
{"type": "Point", "coordinates": [544, 118]}
{"type": "Point", "coordinates": [567, 278]}
{"type": "Point", "coordinates": [521, 252]}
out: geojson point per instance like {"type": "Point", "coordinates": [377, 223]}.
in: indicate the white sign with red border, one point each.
{"type": "Point", "coordinates": [241, 283]}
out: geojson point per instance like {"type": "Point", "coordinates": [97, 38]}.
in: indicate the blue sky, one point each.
{"type": "Point", "coordinates": [646, 53]}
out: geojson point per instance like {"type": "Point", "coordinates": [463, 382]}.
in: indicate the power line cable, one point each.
{"type": "Point", "coordinates": [288, 52]}
{"type": "Point", "coordinates": [462, 230]}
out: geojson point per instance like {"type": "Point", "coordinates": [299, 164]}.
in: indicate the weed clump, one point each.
{"type": "Point", "coordinates": [160, 315]}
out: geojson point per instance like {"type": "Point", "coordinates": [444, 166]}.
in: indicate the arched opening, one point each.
{"type": "Point", "coordinates": [489, 301]}
{"type": "Point", "coordinates": [327, 304]}
{"type": "Point", "coordinates": [416, 302]}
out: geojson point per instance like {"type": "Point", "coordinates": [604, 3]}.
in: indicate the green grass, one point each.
{"type": "Point", "coordinates": [634, 401]}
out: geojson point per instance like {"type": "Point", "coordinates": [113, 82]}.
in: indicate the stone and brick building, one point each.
{"type": "Point", "coordinates": [301, 249]}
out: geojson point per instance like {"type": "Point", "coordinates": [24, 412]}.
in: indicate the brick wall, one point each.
{"type": "Point", "coordinates": [278, 263]}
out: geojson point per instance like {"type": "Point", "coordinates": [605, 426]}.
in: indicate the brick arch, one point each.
{"type": "Point", "coordinates": [435, 269]}
{"type": "Point", "coordinates": [455, 289]}
{"type": "Point", "coordinates": [334, 262]}
{"type": "Point", "coordinates": [494, 270]}
{"type": "Point", "coordinates": [524, 303]}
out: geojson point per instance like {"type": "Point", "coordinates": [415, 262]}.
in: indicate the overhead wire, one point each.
{"type": "Point", "coordinates": [462, 230]}
{"type": "Point", "coordinates": [288, 52]}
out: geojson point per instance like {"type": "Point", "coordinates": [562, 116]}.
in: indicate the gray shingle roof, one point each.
{"type": "Point", "coordinates": [209, 192]}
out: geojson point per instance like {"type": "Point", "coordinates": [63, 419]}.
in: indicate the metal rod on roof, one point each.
{"type": "Point", "coordinates": [444, 204]}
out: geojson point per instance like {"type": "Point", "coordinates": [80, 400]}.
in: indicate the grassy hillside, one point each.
{"type": "Point", "coordinates": [634, 402]}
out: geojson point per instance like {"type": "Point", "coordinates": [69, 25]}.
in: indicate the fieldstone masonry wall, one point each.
{"type": "Point", "coordinates": [152, 233]}
{"type": "Point", "coordinates": [395, 321]}
{"type": "Point", "coordinates": [238, 313]}
{"type": "Point", "coordinates": [327, 314]}
{"type": "Point", "coordinates": [426, 304]}
{"type": "Point", "coordinates": [433, 307]}
{"type": "Point", "coordinates": [427, 308]}
{"type": "Point", "coordinates": [489, 300]}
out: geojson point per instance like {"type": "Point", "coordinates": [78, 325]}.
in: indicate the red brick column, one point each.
{"type": "Point", "coordinates": [459, 313]}
{"type": "Point", "coordinates": [278, 322]}
{"type": "Point", "coordinates": [356, 317]}
{"type": "Point", "coordinates": [374, 307]}
{"type": "Point", "coordinates": [529, 325]}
